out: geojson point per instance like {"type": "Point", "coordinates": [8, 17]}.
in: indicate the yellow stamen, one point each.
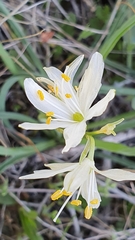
{"type": "Point", "coordinates": [48, 120]}
{"type": "Point", "coordinates": [88, 212]}
{"type": "Point", "coordinates": [56, 195]}
{"type": "Point", "coordinates": [68, 95]}
{"type": "Point", "coordinates": [65, 77]}
{"type": "Point", "coordinates": [94, 201]}
{"type": "Point", "coordinates": [76, 202]}
{"type": "Point", "coordinates": [65, 193]}
{"type": "Point", "coordinates": [40, 95]}
{"type": "Point", "coordinates": [76, 88]}
{"type": "Point", "coordinates": [51, 88]}
{"type": "Point", "coordinates": [56, 91]}
{"type": "Point", "coordinates": [49, 114]}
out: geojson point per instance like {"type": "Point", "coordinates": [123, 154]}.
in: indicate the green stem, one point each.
{"type": "Point", "coordinates": [92, 148]}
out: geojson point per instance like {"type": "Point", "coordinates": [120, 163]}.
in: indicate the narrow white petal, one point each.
{"type": "Point", "coordinates": [58, 166]}
{"type": "Point", "coordinates": [42, 126]}
{"type": "Point", "coordinates": [54, 74]}
{"type": "Point", "coordinates": [72, 68]}
{"type": "Point", "coordinates": [40, 174]}
{"type": "Point", "coordinates": [49, 103]}
{"type": "Point", "coordinates": [74, 134]}
{"type": "Point", "coordinates": [89, 190]}
{"type": "Point", "coordinates": [117, 174]}
{"type": "Point", "coordinates": [100, 106]}
{"type": "Point", "coordinates": [91, 81]}
{"type": "Point", "coordinates": [49, 173]}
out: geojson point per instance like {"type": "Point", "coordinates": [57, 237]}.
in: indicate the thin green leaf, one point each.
{"type": "Point", "coordinates": [7, 60]}
{"type": "Point", "coordinates": [126, 116]}
{"type": "Point", "coordinates": [115, 147]}
{"type": "Point", "coordinates": [17, 154]}
{"type": "Point", "coordinates": [16, 151]}
{"type": "Point", "coordinates": [119, 90]}
{"type": "Point", "coordinates": [16, 116]}
{"type": "Point", "coordinates": [28, 220]}
{"type": "Point", "coordinates": [110, 42]}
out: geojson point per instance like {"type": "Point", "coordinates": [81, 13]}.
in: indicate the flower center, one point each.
{"type": "Point", "coordinates": [65, 77]}
{"type": "Point", "coordinates": [40, 95]}
{"type": "Point", "coordinates": [78, 117]}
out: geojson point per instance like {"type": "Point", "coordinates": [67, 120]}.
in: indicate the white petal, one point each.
{"type": "Point", "coordinates": [71, 103]}
{"type": "Point", "coordinates": [74, 134]}
{"type": "Point", "coordinates": [100, 106]}
{"type": "Point", "coordinates": [49, 104]}
{"type": "Point", "coordinates": [42, 126]}
{"type": "Point", "coordinates": [117, 174]}
{"type": "Point", "coordinates": [72, 68]}
{"type": "Point", "coordinates": [54, 74]}
{"type": "Point", "coordinates": [74, 179]}
{"type": "Point", "coordinates": [49, 173]}
{"type": "Point", "coordinates": [89, 190]}
{"type": "Point", "coordinates": [64, 88]}
{"type": "Point", "coordinates": [59, 166]}
{"type": "Point", "coordinates": [91, 81]}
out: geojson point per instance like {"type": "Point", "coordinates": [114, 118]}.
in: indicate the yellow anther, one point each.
{"type": "Point", "coordinates": [40, 95]}
{"type": "Point", "coordinates": [56, 91]}
{"type": "Point", "coordinates": [94, 201]}
{"type": "Point", "coordinates": [49, 114]}
{"type": "Point", "coordinates": [76, 88]}
{"type": "Point", "coordinates": [65, 193]}
{"type": "Point", "coordinates": [68, 95]}
{"type": "Point", "coordinates": [51, 88]}
{"type": "Point", "coordinates": [88, 212]}
{"type": "Point", "coordinates": [48, 120]}
{"type": "Point", "coordinates": [76, 202]}
{"type": "Point", "coordinates": [56, 195]}
{"type": "Point", "coordinates": [65, 77]}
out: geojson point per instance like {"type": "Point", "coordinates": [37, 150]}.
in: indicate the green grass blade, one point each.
{"type": "Point", "coordinates": [9, 63]}
{"type": "Point", "coordinates": [16, 116]}
{"type": "Point", "coordinates": [18, 31]}
{"type": "Point", "coordinates": [5, 89]}
{"type": "Point", "coordinates": [126, 116]}
{"type": "Point", "coordinates": [18, 153]}
{"type": "Point", "coordinates": [110, 42]}
{"type": "Point", "coordinates": [115, 147]}
{"type": "Point", "coordinates": [119, 90]}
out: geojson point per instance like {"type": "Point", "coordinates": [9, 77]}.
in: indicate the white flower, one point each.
{"type": "Point", "coordinates": [80, 180]}
{"type": "Point", "coordinates": [66, 106]}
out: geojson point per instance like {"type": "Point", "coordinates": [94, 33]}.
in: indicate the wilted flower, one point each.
{"type": "Point", "coordinates": [80, 180]}
{"type": "Point", "coordinates": [108, 128]}
{"type": "Point", "coordinates": [66, 106]}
